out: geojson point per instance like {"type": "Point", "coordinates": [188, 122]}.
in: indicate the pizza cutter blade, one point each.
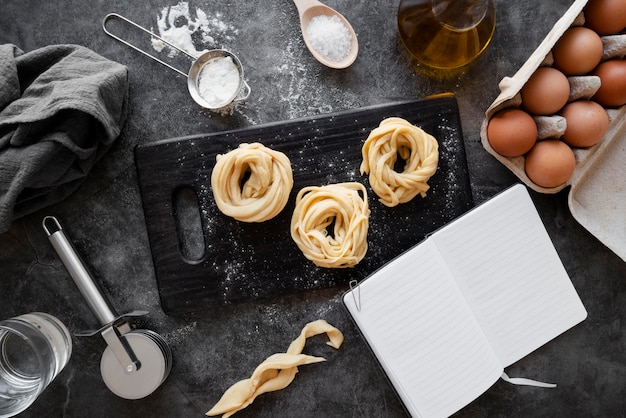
{"type": "Point", "coordinates": [155, 364]}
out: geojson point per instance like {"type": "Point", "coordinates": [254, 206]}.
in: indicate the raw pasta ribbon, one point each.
{"type": "Point", "coordinates": [330, 223]}
{"type": "Point", "coordinates": [393, 138]}
{"type": "Point", "coordinates": [276, 372]}
{"type": "Point", "coordinates": [252, 183]}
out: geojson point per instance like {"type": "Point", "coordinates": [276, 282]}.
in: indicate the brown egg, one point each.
{"type": "Point", "coordinates": [606, 17]}
{"type": "Point", "coordinates": [550, 163]}
{"type": "Point", "coordinates": [578, 51]}
{"type": "Point", "coordinates": [587, 123]}
{"type": "Point", "coordinates": [511, 132]}
{"type": "Point", "coordinates": [545, 92]}
{"type": "Point", "coordinates": [612, 92]}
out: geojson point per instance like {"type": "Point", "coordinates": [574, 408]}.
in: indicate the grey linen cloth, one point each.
{"type": "Point", "coordinates": [61, 108]}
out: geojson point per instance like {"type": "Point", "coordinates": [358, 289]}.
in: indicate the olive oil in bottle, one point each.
{"type": "Point", "coordinates": [446, 34]}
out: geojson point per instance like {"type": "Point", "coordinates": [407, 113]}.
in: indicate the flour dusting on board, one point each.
{"type": "Point", "coordinates": [185, 28]}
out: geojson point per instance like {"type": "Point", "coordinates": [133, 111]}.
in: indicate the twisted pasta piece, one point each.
{"type": "Point", "coordinates": [276, 372]}
{"type": "Point", "coordinates": [339, 207]}
{"type": "Point", "coordinates": [256, 198]}
{"type": "Point", "coordinates": [392, 138]}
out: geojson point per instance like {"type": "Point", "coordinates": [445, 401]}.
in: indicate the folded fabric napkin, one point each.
{"type": "Point", "coordinates": [61, 108]}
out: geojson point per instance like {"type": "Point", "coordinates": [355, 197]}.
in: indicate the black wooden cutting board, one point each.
{"type": "Point", "coordinates": [221, 260]}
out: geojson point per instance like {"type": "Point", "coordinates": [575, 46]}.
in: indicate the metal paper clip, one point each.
{"type": "Point", "coordinates": [356, 295]}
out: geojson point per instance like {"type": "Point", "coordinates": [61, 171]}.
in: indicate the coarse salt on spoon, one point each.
{"type": "Point", "coordinates": [309, 9]}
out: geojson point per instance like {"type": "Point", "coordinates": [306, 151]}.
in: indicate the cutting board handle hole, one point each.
{"type": "Point", "coordinates": [189, 225]}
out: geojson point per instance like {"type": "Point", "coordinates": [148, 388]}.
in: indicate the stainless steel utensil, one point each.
{"type": "Point", "coordinates": [136, 361]}
{"type": "Point", "coordinates": [193, 76]}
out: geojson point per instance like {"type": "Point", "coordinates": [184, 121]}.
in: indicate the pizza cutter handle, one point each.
{"type": "Point", "coordinates": [81, 276]}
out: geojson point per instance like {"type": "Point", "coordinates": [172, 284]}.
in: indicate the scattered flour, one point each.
{"type": "Point", "coordinates": [299, 95]}
{"type": "Point", "coordinates": [178, 26]}
{"type": "Point", "coordinates": [178, 336]}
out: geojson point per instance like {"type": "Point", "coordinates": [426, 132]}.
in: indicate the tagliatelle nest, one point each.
{"type": "Point", "coordinates": [252, 183]}
{"type": "Point", "coordinates": [393, 138]}
{"type": "Point", "coordinates": [330, 224]}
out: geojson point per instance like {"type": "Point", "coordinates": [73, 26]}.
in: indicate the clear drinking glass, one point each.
{"type": "Point", "coordinates": [446, 34]}
{"type": "Point", "coordinates": [34, 348]}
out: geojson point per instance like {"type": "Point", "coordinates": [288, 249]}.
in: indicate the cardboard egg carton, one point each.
{"type": "Point", "coordinates": [597, 197]}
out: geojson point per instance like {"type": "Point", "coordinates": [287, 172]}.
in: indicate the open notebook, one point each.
{"type": "Point", "coordinates": [446, 317]}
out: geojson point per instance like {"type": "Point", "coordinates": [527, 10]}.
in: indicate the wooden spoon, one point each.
{"type": "Point", "coordinates": [308, 9]}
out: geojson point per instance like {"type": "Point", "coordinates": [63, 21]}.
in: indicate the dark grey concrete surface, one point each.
{"type": "Point", "coordinates": [213, 349]}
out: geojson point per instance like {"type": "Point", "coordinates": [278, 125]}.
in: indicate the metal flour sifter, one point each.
{"type": "Point", "coordinates": [197, 70]}
{"type": "Point", "coordinates": [136, 361]}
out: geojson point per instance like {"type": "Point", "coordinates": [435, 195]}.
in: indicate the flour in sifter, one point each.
{"type": "Point", "coordinates": [219, 82]}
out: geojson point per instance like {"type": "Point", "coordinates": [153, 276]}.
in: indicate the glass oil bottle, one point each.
{"type": "Point", "coordinates": [446, 34]}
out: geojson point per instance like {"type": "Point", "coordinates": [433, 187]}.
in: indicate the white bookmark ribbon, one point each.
{"type": "Point", "coordinates": [520, 381]}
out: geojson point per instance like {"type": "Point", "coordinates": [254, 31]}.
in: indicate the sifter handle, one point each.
{"type": "Point", "coordinates": [112, 35]}
{"type": "Point", "coordinates": [83, 280]}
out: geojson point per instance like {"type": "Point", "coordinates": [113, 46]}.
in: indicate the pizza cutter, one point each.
{"type": "Point", "coordinates": [136, 361]}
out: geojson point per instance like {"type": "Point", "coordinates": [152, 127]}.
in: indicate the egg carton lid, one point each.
{"type": "Point", "coordinates": [597, 198]}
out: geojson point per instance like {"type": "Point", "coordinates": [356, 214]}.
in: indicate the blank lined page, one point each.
{"type": "Point", "coordinates": [424, 334]}
{"type": "Point", "coordinates": [511, 275]}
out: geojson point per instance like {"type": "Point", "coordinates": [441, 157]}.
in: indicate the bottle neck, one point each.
{"type": "Point", "coordinates": [460, 14]}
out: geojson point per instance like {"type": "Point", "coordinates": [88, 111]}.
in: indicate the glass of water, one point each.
{"type": "Point", "coordinates": [34, 348]}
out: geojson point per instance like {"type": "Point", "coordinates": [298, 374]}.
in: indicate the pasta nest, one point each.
{"type": "Point", "coordinates": [393, 138]}
{"type": "Point", "coordinates": [252, 183]}
{"type": "Point", "coordinates": [330, 224]}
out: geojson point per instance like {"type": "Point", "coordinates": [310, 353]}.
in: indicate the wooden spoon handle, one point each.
{"type": "Point", "coordinates": [304, 5]}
